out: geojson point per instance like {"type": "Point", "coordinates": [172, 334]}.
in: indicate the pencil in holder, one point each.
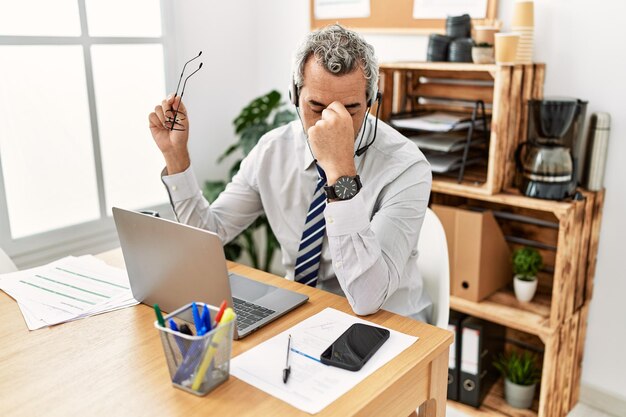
{"type": "Point", "coordinates": [197, 363]}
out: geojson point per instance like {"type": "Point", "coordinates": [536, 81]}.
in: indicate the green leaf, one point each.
{"type": "Point", "coordinates": [257, 110]}
{"type": "Point", "coordinates": [232, 251]}
{"type": "Point", "coordinates": [527, 262]}
{"type": "Point", "coordinates": [251, 134]}
{"type": "Point", "coordinates": [521, 369]}
{"type": "Point", "coordinates": [282, 117]}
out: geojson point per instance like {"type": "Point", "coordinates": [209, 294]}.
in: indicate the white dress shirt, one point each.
{"type": "Point", "coordinates": [369, 252]}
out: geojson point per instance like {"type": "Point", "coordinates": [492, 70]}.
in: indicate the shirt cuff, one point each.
{"type": "Point", "coordinates": [181, 186]}
{"type": "Point", "coordinates": [346, 217]}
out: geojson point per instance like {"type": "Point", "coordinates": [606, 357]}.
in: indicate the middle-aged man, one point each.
{"type": "Point", "coordinates": [344, 195]}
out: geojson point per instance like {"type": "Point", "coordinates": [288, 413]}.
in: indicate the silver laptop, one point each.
{"type": "Point", "coordinates": [172, 264]}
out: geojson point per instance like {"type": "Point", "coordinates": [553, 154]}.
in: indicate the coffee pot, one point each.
{"type": "Point", "coordinates": [545, 162]}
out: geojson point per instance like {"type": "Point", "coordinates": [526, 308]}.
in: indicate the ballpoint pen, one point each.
{"type": "Point", "coordinates": [179, 341]}
{"type": "Point", "coordinates": [206, 318]}
{"type": "Point", "coordinates": [197, 321]}
{"type": "Point", "coordinates": [287, 369]}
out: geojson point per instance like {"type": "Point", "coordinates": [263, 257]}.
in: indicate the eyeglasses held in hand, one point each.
{"type": "Point", "coordinates": [174, 117]}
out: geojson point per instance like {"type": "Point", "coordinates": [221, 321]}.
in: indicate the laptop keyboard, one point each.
{"type": "Point", "coordinates": [249, 313]}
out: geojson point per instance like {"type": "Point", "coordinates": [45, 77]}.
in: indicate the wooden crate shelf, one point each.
{"type": "Point", "coordinates": [505, 89]}
{"type": "Point", "coordinates": [562, 234]}
{"type": "Point", "coordinates": [567, 232]}
{"type": "Point", "coordinates": [558, 391]}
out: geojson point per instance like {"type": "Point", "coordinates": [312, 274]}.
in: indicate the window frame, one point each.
{"type": "Point", "coordinates": [97, 235]}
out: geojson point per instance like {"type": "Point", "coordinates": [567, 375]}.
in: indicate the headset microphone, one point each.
{"type": "Point", "coordinates": [360, 151]}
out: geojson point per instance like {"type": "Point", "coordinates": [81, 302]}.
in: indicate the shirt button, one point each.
{"type": "Point", "coordinates": [330, 220]}
{"type": "Point", "coordinates": [338, 264]}
{"type": "Point", "coordinates": [174, 188]}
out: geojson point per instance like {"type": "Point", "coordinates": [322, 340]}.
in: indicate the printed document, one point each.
{"type": "Point", "coordinates": [312, 385]}
{"type": "Point", "coordinates": [68, 289]}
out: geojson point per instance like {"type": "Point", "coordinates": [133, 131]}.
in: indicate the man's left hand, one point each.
{"type": "Point", "coordinates": [332, 142]}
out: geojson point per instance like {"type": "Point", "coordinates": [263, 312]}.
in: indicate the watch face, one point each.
{"type": "Point", "coordinates": [346, 188]}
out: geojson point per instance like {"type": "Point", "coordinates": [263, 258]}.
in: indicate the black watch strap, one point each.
{"type": "Point", "coordinates": [330, 192]}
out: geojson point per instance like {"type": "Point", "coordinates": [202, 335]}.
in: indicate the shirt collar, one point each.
{"type": "Point", "coordinates": [308, 157]}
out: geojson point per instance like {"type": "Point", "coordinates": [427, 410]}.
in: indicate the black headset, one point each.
{"type": "Point", "coordinates": [294, 98]}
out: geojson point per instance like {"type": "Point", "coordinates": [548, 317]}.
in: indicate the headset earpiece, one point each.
{"type": "Point", "coordinates": [377, 97]}
{"type": "Point", "coordinates": [361, 150]}
{"type": "Point", "coordinates": [294, 96]}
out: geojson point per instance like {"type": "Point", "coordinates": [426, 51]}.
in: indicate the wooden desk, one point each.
{"type": "Point", "coordinates": [113, 365]}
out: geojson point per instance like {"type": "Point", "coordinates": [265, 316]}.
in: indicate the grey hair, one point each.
{"type": "Point", "coordinates": [339, 50]}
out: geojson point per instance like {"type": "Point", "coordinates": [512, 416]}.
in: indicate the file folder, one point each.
{"type": "Point", "coordinates": [481, 342]}
{"type": "Point", "coordinates": [454, 361]}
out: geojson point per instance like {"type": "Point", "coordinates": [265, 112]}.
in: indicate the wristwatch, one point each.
{"type": "Point", "coordinates": [344, 189]}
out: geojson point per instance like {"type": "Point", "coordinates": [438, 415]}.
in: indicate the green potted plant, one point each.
{"type": "Point", "coordinates": [482, 53]}
{"type": "Point", "coordinates": [261, 115]}
{"type": "Point", "coordinates": [521, 374]}
{"type": "Point", "coordinates": [526, 264]}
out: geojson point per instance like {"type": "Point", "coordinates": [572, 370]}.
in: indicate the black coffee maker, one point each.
{"type": "Point", "coordinates": [548, 161]}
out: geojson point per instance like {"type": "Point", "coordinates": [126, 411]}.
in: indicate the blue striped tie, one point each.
{"type": "Point", "coordinates": [310, 250]}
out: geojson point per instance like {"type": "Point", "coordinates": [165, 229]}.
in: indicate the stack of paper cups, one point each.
{"type": "Point", "coordinates": [524, 24]}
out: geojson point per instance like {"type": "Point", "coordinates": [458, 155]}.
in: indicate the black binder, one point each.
{"type": "Point", "coordinates": [454, 364]}
{"type": "Point", "coordinates": [481, 342]}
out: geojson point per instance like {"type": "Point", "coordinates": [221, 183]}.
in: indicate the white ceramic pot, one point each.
{"type": "Point", "coordinates": [519, 396]}
{"type": "Point", "coordinates": [483, 55]}
{"type": "Point", "coordinates": [524, 290]}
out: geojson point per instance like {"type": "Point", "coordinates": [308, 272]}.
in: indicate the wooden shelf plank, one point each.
{"type": "Point", "coordinates": [510, 197]}
{"type": "Point", "coordinates": [503, 308]}
{"type": "Point", "coordinates": [439, 66]}
{"type": "Point", "coordinates": [495, 405]}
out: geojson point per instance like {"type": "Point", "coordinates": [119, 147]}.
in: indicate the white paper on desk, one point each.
{"type": "Point", "coordinates": [312, 385]}
{"type": "Point", "coordinates": [68, 289]}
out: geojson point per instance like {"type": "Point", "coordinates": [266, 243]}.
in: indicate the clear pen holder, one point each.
{"type": "Point", "coordinates": [197, 364]}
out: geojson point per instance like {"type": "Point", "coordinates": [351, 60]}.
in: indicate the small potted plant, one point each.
{"type": "Point", "coordinates": [526, 263]}
{"type": "Point", "coordinates": [521, 374]}
{"type": "Point", "coordinates": [482, 53]}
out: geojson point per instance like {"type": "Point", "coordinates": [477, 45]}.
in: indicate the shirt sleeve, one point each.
{"type": "Point", "coordinates": [231, 213]}
{"type": "Point", "coordinates": [369, 255]}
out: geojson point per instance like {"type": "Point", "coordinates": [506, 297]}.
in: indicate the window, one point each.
{"type": "Point", "coordinates": [77, 81]}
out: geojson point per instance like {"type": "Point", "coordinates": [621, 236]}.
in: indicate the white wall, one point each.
{"type": "Point", "coordinates": [575, 38]}
{"type": "Point", "coordinates": [224, 31]}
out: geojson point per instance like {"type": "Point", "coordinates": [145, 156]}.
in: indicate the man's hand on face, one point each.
{"type": "Point", "coordinates": [332, 142]}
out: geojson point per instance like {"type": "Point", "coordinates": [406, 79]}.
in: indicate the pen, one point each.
{"type": "Point", "coordinates": [229, 315]}
{"type": "Point", "coordinates": [179, 342]}
{"type": "Point", "coordinates": [220, 312]}
{"type": "Point", "coordinates": [197, 321]}
{"type": "Point", "coordinates": [287, 369]}
{"type": "Point", "coordinates": [206, 318]}
{"type": "Point", "coordinates": [159, 315]}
